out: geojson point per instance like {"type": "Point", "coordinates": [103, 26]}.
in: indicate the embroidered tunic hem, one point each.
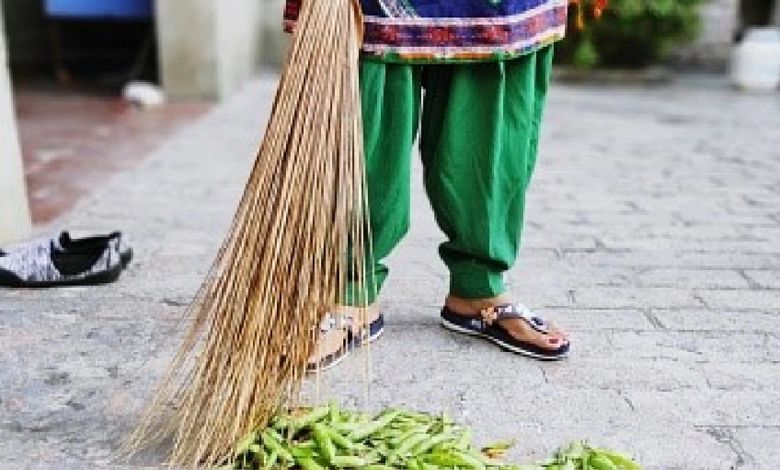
{"type": "Point", "coordinates": [433, 31]}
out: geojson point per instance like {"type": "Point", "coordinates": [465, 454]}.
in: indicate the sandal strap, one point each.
{"type": "Point", "coordinates": [517, 311]}
{"type": "Point", "coordinates": [340, 321]}
{"type": "Point", "coordinates": [332, 321]}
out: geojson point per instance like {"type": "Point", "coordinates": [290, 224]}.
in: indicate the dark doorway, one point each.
{"type": "Point", "coordinates": [755, 13]}
{"type": "Point", "coordinates": [96, 53]}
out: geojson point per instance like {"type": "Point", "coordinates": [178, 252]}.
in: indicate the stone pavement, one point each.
{"type": "Point", "coordinates": [653, 233]}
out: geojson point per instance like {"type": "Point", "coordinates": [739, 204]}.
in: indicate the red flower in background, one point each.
{"type": "Point", "coordinates": [598, 9]}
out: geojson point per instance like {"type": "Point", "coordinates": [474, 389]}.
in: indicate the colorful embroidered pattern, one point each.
{"type": "Point", "coordinates": [429, 31]}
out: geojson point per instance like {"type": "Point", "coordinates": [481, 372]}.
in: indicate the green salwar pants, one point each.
{"type": "Point", "coordinates": [479, 133]}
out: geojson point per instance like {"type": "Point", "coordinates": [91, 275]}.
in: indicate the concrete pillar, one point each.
{"type": "Point", "coordinates": [776, 16]}
{"type": "Point", "coordinates": [275, 40]}
{"type": "Point", "coordinates": [208, 48]}
{"type": "Point", "coordinates": [14, 210]}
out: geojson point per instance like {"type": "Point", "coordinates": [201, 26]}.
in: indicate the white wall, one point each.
{"type": "Point", "coordinates": [712, 48]}
{"type": "Point", "coordinates": [14, 212]}
{"type": "Point", "coordinates": [208, 48]}
{"type": "Point", "coordinates": [275, 40]}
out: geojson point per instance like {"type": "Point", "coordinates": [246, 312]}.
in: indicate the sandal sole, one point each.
{"type": "Point", "coordinates": [355, 344]}
{"type": "Point", "coordinates": [333, 363]}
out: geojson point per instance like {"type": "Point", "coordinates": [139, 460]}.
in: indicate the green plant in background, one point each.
{"type": "Point", "coordinates": [629, 33]}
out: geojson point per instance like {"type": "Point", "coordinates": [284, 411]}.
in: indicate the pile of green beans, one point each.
{"type": "Point", "coordinates": [328, 437]}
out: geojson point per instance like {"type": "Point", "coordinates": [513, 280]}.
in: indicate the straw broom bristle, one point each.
{"type": "Point", "coordinates": [297, 234]}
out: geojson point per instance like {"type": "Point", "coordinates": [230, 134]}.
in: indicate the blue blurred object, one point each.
{"type": "Point", "coordinates": [111, 9]}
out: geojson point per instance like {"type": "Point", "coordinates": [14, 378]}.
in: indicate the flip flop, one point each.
{"type": "Point", "coordinates": [486, 326]}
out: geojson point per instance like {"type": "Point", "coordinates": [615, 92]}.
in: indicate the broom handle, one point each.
{"type": "Point", "coordinates": [359, 20]}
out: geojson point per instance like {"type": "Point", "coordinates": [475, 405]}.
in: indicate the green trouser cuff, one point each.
{"type": "Point", "coordinates": [471, 280]}
{"type": "Point", "coordinates": [361, 296]}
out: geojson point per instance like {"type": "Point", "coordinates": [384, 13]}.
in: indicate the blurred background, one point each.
{"type": "Point", "coordinates": [91, 86]}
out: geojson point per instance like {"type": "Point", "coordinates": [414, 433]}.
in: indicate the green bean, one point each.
{"type": "Point", "coordinates": [601, 462]}
{"type": "Point", "coordinates": [396, 441]}
{"type": "Point", "coordinates": [303, 452]}
{"type": "Point", "coordinates": [345, 427]}
{"type": "Point", "coordinates": [464, 439]}
{"type": "Point", "coordinates": [372, 455]}
{"type": "Point", "coordinates": [270, 461]}
{"type": "Point", "coordinates": [339, 439]}
{"type": "Point", "coordinates": [430, 443]}
{"type": "Point", "coordinates": [273, 445]}
{"type": "Point", "coordinates": [326, 445]}
{"type": "Point", "coordinates": [470, 461]}
{"type": "Point", "coordinates": [256, 449]}
{"type": "Point", "coordinates": [309, 464]}
{"type": "Point", "coordinates": [314, 415]}
{"type": "Point", "coordinates": [405, 447]}
{"type": "Point", "coordinates": [281, 422]}
{"type": "Point", "coordinates": [373, 426]}
{"type": "Point", "coordinates": [348, 461]}
{"type": "Point", "coordinates": [417, 416]}
{"type": "Point", "coordinates": [307, 444]}
{"type": "Point", "coordinates": [414, 464]}
{"type": "Point", "coordinates": [623, 462]}
{"type": "Point", "coordinates": [334, 413]}
{"type": "Point", "coordinates": [313, 438]}
{"type": "Point", "coordinates": [246, 443]}
{"type": "Point", "coordinates": [443, 459]}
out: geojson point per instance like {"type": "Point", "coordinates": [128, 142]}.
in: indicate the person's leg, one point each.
{"type": "Point", "coordinates": [480, 127]}
{"type": "Point", "coordinates": [479, 141]}
{"type": "Point", "coordinates": [390, 95]}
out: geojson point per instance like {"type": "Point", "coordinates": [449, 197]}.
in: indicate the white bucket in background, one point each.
{"type": "Point", "coordinates": [755, 64]}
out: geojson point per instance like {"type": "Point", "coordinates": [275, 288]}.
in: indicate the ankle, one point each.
{"type": "Point", "coordinates": [473, 306]}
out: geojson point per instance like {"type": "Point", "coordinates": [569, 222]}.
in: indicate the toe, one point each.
{"type": "Point", "coordinates": [558, 333]}
{"type": "Point", "coordinates": [522, 331]}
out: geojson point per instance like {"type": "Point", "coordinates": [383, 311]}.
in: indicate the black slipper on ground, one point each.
{"type": "Point", "coordinates": [67, 243]}
{"type": "Point", "coordinates": [486, 326]}
{"type": "Point", "coordinates": [38, 264]}
{"type": "Point", "coordinates": [374, 331]}
{"type": "Point", "coordinates": [119, 241]}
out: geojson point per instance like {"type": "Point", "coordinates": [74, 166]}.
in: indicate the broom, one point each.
{"type": "Point", "coordinates": [299, 233]}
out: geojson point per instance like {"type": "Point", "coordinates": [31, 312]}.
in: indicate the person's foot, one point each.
{"type": "Point", "coordinates": [511, 326]}
{"type": "Point", "coordinates": [340, 332]}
